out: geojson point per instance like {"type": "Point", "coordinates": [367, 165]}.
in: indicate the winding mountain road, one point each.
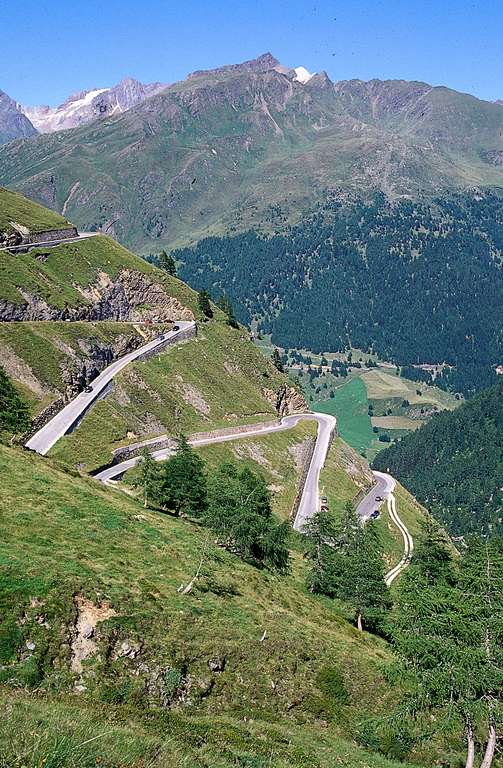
{"type": "Point", "coordinates": [43, 440]}
{"type": "Point", "coordinates": [383, 489]}
{"type": "Point", "coordinates": [310, 496]}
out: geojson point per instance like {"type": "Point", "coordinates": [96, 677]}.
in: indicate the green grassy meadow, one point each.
{"type": "Point", "coordinates": [350, 407]}
{"type": "Point", "coordinates": [16, 208]}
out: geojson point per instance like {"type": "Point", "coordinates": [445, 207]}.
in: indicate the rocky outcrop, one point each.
{"type": "Point", "coordinates": [13, 123]}
{"type": "Point", "coordinates": [131, 296]}
{"type": "Point", "coordinates": [286, 400]}
{"type": "Point", "coordinates": [86, 106]}
{"type": "Point", "coordinates": [21, 235]}
{"type": "Point", "coordinates": [97, 356]}
{"type": "Point", "coordinates": [89, 615]}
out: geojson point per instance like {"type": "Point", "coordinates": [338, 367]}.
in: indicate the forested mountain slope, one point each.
{"type": "Point", "coordinates": [415, 282]}
{"type": "Point", "coordinates": [454, 464]}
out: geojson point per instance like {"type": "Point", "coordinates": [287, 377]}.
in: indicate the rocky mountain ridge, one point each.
{"type": "Point", "coordinates": [253, 146]}
{"type": "Point", "coordinates": [85, 106]}
{"type": "Point", "coordinates": [13, 123]}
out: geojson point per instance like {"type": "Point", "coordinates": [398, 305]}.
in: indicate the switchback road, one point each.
{"type": "Point", "coordinates": [43, 440]}
{"type": "Point", "coordinates": [383, 489]}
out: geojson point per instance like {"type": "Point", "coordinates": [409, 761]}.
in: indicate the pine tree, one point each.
{"type": "Point", "coordinates": [182, 487]}
{"type": "Point", "coordinates": [203, 300]}
{"type": "Point", "coordinates": [148, 477]}
{"type": "Point", "coordinates": [277, 362]}
{"type": "Point", "coordinates": [448, 628]}
{"type": "Point", "coordinates": [322, 535]}
{"type": "Point", "coordinates": [480, 630]}
{"type": "Point", "coordinates": [225, 304]}
{"type": "Point", "coordinates": [14, 413]}
{"type": "Point", "coordinates": [167, 263]}
{"type": "Point", "coordinates": [432, 556]}
{"type": "Point", "coordinates": [362, 583]}
{"type": "Point", "coordinates": [240, 514]}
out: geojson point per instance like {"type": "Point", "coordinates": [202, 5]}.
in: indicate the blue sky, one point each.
{"type": "Point", "coordinates": [55, 47]}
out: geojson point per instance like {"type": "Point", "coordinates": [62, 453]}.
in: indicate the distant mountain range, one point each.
{"type": "Point", "coordinates": [85, 106]}
{"type": "Point", "coordinates": [384, 196]}
{"type": "Point", "coordinates": [252, 145]}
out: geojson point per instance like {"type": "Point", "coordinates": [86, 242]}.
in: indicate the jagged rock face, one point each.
{"type": "Point", "coordinates": [13, 123]}
{"type": "Point", "coordinates": [131, 296]}
{"type": "Point", "coordinates": [286, 400]}
{"type": "Point", "coordinates": [86, 106]}
{"type": "Point", "coordinates": [78, 372]}
{"type": "Point", "coordinates": [261, 64]}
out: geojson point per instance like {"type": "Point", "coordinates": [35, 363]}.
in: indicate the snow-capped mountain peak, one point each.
{"type": "Point", "coordinates": [302, 75]}
{"type": "Point", "coordinates": [82, 107]}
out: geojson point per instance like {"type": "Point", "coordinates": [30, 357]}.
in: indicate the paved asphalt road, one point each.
{"type": "Point", "coordinates": [43, 440]}
{"type": "Point", "coordinates": [48, 435]}
{"type": "Point", "coordinates": [310, 497]}
{"type": "Point", "coordinates": [383, 487]}
{"type": "Point", "coordinates": [50, 243]}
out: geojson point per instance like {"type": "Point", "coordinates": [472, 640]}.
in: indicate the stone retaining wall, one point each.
{"type": "Point", "coordinates": [185, 335]}
{"type": "Point", "coordinates": [306, 463]}
{"type": "Point", "coordinates": [43, 418]}
{"type": "Point", "coordinates": [52, 234]}
{"type": "Point", "coordinates": [166, 441]}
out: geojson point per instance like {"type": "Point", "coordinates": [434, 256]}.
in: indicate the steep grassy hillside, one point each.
{"type": "Point", "coordinates": [171, 679]}
{"type": "Point", "coordinates": [74, 277]}
{"type": "Point", "coordinates": [454, 464]}
{"type": "Point", "coordinates": [16, 209]}
{"type": "Point", "coordinates": [82, 305]}
{"type": "Point", "coordinates": [53, 358]}
{"type": "Point", "coordinates": [218, 380]}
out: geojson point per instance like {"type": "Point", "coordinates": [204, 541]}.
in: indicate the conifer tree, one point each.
{"type": "Point", "coordinates": [203, 300]}
{"type": "Point", "coordinates": [148, 477]}
{"type": "Point", "coordinates": [322, 535]}
{"type": "Point", "coordinates": [167, 263]}
{"type": "Point", "coordinates": [277, 362]}
{"type": "Point", "coordinates": [362, 583]}
{"type": "Point", "coordinates": [225, 304]}
{"type": "Point", "coordinates": [240, 514]}
{"type": "Point", "coordinates": [182, 487]}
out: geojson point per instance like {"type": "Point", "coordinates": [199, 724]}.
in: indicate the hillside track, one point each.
{"type": "Point", "coordinates": [44, 439]}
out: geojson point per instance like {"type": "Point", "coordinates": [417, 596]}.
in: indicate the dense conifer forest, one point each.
{"type": "Point", "coordinates": [454, 464]}
{"type": "Point", "coordinates": [414, 282]}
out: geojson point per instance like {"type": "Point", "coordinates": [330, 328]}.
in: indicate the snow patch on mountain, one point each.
{"type": "Point", "coordinates": [302, 75]}
{"type": "Point", "coordinates": [85, 106]}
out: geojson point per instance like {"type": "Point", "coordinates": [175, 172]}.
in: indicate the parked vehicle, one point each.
{"type": "Point", "coordinates": [375, 514]}
{"type": "Point", "coordinates": [379, 498]}
{"type": "Point", "coordinates": [88, 388]}
{"type": "Point", "coordinates": [323, 503]}
{"type": "Point", "coordinates": [176, 327]}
